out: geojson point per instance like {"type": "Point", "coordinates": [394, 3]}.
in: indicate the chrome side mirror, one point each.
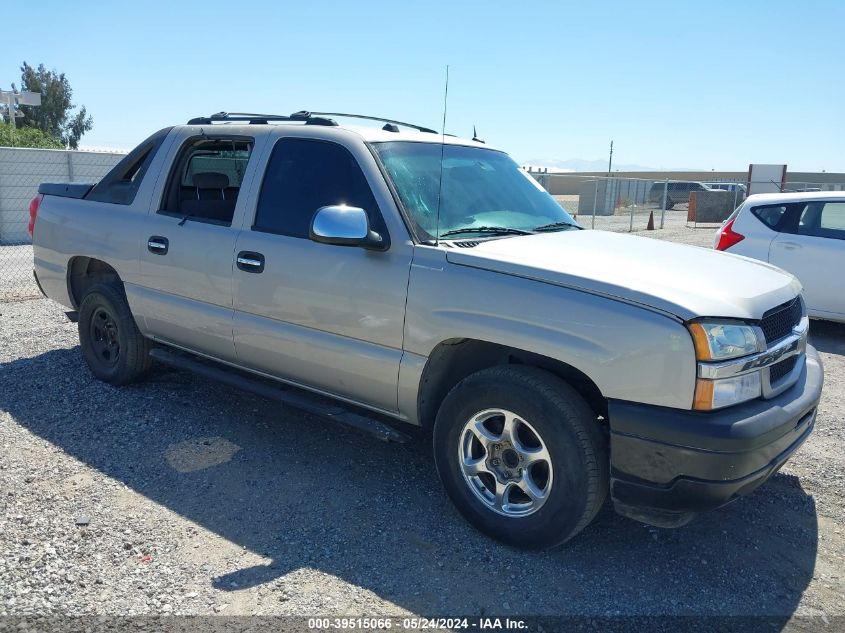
{"type": "Point", "coordinates": [344, 226]}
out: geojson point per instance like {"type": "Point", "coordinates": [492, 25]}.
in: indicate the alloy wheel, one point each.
{"type": "Point", "coordinates": [505, 462]}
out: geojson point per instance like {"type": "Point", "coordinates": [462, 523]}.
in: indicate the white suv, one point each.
{"type": "Point", "coordinates": [803, 233]}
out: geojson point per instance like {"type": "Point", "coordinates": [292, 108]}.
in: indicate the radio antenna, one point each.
{"type": "Point", "coordinates": [442, 148]}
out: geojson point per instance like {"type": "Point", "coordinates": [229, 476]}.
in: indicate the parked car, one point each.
{"type": "Point", "coordinates": [803, 233]}
{"type": "Point", "coordinates": [739, 188]}
{"type": "Point", "coordinates": [426, 279]}
{"type": "Point", "coordinates": [676, 192]}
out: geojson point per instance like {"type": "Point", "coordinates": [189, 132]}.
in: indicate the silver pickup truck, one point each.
{"type": "Point", "coordinates": [427, 279]}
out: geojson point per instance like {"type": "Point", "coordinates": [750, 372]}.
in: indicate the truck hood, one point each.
{"type": "Point", "coordinates": [686, 281]}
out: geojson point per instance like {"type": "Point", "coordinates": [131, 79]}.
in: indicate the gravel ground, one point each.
{"type": "Point", "coordinates": [16, 280]}
{"type": "Point", "coordinates": [181, 496]}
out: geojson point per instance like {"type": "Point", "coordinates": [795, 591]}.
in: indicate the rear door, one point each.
{"type": "Point", "coordinates": [759, 225]}
{"type": "Point", "coordinates": [188, 243]}
{"type": "Point", "coordinates": [322, 316]}
{"type": "Point", "coordinates": [812, 247]}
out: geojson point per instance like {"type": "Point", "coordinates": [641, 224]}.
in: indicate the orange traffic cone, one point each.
{"type": "Point", "coordinates": [650, 225]}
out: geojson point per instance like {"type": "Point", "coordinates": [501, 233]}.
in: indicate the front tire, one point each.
{"type": "Point", "coordinates": [521, 456]}
{"type": "Point", "coordinates": [113, 347]}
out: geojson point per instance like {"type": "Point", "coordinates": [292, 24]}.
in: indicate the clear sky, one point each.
{"type": "Point", "coordinates": [675, 84]}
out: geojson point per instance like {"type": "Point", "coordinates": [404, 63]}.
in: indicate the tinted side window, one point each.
{"type": "Point", "coordinates": [121, 184]}
{"type": "Point", "coordinates": [823, 219]}
{"type": "Point", "coordinates": [770, 215]}
{"type": "Point", "coordinates": [304, 175]}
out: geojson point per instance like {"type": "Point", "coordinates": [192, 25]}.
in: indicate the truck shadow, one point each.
{"type": "Point", "coordinates": [307, 494]}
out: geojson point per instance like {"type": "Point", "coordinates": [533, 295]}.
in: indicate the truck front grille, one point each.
{"type": "Point", "coordinates": [781, 369]}
{"type": "Point", "coordinates": [778, 322]}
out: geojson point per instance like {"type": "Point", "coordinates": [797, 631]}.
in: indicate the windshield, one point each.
{"type": "Point", "coordinates": [484, 191]}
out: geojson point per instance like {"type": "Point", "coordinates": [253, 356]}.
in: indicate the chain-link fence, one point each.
{"type": "Point", "coordinates": [620, 204]}
{"type": "Point", "coordinates": [21, 171]}
{"type": "Point", "coordinates": [633, 204]}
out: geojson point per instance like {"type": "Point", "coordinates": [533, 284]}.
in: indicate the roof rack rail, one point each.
{"type": "Point", "coordinates": [419, 128]}
{"type": "Point", "coordinates": [260, 119]}
{"type": "Point", "coordinates": [309, 118]}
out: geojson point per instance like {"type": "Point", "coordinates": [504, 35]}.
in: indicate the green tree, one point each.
{"type": "Point", "coordinates": [55, 116]}
{"type": "Point", "coordinates": [27, 137]}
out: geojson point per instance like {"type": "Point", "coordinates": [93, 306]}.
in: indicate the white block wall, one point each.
{"type": "Point", "coordinates": [22, 170]}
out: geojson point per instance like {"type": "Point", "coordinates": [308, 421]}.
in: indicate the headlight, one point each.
{"type": "Point", "coordinates": [722, 341]}
{"type": "Point", "coordinates": [715, 394]}
{"type": "Point", "coordinates": [716, 342]}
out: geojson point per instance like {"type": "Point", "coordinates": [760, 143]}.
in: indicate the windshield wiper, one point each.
{"type": "Point", "coordinates": [494, 230]}
{"type": "Point", "coordinates": [556, 225]}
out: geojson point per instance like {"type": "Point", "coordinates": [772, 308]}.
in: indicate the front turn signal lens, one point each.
{"type": "Point", "coordinates": [703, 395]}
{"type": "Point", "coordinates": [699, 340]}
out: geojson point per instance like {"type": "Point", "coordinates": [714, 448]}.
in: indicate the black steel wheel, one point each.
{"type": "Point", "coordinates": [105, 343]}
{"type": "Point", "coordinates": [113, 347]}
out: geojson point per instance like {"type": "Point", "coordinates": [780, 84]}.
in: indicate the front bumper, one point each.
{"type": "Point", "coordinates": [666, 465]}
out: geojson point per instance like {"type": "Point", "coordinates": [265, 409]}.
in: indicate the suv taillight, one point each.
{"type": "Point", "coordinates": [33, 211]}
{"type": "Point", "coordinates": [728, 237]}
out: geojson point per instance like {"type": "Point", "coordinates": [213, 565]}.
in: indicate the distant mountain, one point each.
{"type": "Point", "coordinates": [579, 164]}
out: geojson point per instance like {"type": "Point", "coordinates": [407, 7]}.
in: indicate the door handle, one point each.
{"type": "Point", "coordinates": [158, 244]}
{"type": "Point", "coordinates": [250, 262]}
{"type": "Point", "coordinates": [790, 246]}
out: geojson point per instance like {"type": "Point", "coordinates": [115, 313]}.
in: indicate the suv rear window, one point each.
{"type": "Point", "coordinates": [771, 215]}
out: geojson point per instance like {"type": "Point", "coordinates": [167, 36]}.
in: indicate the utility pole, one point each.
{"type": "Point", "coordinates": [7, 97]}
{"type": "Point", "coordinates": [10, 98]}
{"type": "Point", "coordinates": [610, 160]}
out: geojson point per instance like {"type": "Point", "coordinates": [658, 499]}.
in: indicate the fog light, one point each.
{"type": "Point", "coordinates": [715, 394]}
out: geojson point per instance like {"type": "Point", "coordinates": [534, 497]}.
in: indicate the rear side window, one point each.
{"type": "Point", "coordinates": [206, 177]}
{"type": "Point", "coordinates": [823, 219]}
{"type": "Point", "coordinates": [121, 184]}
{"type": "Point", "coordinates": [304, 175]}
{"type": "Point", "coordinates": [771, 215]}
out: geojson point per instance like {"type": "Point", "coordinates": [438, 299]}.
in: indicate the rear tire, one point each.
{"type": "Point", "coordinates": [113, 347]}
{"type": "Point", "coordinates": [535, 486]}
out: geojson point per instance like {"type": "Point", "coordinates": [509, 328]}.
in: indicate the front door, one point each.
{"type": "Point", "coordinates": [323, 316]}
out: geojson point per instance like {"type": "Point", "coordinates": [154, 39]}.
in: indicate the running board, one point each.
{"type": "Point", "coordinates": [298, 399]}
